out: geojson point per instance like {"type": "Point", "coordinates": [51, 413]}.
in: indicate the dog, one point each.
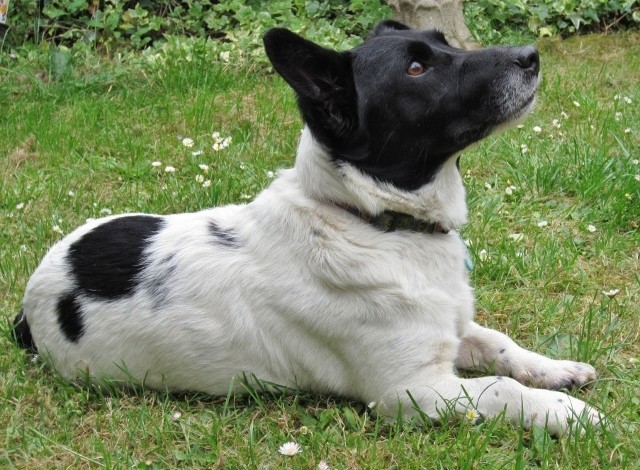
{"type": "Point", "coordinates": [346, 276]}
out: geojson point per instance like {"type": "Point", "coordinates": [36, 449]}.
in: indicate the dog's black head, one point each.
{"type": "Point", "coordinates": [404, 101]}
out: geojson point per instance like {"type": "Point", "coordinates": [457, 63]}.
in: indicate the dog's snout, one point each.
{"type": "Point", "coordinates": [528, 58]}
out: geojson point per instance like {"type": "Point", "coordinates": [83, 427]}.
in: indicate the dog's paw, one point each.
{"type": "Point", "coordinates": [559, 413]}
{"type": "Point", "coordinates": [551, 374]}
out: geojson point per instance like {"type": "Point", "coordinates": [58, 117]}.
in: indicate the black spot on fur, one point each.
{"type": "Point", "coordinates": [502, 351]}
{"type": "Point", "coordinates": [70, 316]}
{"type": "Point", "coordinates": [159, 284]}
{"type": "Point", "coordinates": [106, 262]}
{"type": "Point", "coordinates": [22, 333]}
{"type": "Point", "coordinates": [223, 237]}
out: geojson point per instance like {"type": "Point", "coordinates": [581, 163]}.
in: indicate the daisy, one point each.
{"type": "Point", "coordinates": [169, 169]}
{"type": "Point", "coordinates": [472, 415]}
{"type": "Point", "coordinates": [591, 228]}
{"type": "Point", "coordinates": [187, 142]}
{"type": "Point", "coordinates": [290, 449]}
{"type": "Point", "coordinates": [156, 164]}
{"type": "Point", "coordinates": [611, 293]}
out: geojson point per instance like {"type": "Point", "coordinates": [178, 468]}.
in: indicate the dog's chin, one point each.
{"type": "Point", "coordinates": [515, 116]}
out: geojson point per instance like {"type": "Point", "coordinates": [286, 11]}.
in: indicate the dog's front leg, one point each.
{"type": "Point", "coordinates": [490, 397]}
{"type": "Point", "coordinates": [489, 350]}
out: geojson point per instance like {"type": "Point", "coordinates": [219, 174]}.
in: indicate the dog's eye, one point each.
{"type": "Point", "coordinates": [416, 68]}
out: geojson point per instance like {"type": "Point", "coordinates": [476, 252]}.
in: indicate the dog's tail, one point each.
{"type": "Point", "coordinates": [22, 333]}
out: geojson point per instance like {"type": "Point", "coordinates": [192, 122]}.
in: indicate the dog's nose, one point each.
{"type": "Point", "coordinates": [527, 57]}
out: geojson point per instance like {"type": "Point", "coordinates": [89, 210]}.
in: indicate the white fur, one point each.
{"type": "Point", "coordinates": [314, 298]}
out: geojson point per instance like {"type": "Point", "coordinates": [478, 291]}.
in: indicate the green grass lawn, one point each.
{"type": "Point", "coordinates": [554, 204]}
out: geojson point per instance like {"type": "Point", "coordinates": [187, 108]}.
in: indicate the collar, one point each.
{"type": "Point", "coordinates": [390, 221]}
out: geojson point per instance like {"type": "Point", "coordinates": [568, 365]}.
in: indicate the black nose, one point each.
{"type": "Point", "coordinates": [527, 57]}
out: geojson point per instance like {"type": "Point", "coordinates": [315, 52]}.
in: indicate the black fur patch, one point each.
{"type": "Point", "coordinates": [70, 316]}
{"type": "Point", "coordinates": [159, 285]}
{"type": "Point", "coordinates": [226, 238]}
{"type": "Point", "coordinates": [106, 262]}
{"type": "Point", "coordinates": [22, 333]}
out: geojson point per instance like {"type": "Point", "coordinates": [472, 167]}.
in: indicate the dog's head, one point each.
{"type": "Point", "coordinates": [403, 102]}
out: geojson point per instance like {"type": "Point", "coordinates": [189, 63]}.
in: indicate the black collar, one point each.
{"type": "Point", "coordinates": [390, 221]}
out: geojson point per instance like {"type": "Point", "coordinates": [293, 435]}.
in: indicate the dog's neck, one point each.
{"type": "Point", "coordinates": [441, 201]}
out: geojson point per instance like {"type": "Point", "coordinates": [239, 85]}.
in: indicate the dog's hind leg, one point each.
{"type": "Point", "coordinates": [489, 350]}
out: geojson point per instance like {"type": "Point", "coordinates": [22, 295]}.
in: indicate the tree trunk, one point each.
{"type": "Point", "coordinates": [444, 15]}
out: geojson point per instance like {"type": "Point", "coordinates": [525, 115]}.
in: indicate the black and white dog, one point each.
{"type": "Point", "coordinates": [345, 276]}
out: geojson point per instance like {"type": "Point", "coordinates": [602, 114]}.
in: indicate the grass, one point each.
{"type": "Point", "coordinates": [553, 225]}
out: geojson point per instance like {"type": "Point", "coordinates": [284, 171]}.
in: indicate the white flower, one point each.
{"type": "Point", "coordinates": [225, 56]}
{"type": "Point", "coordinates": [537, 129]}
{"type": "Point", "coordinates": [290, 449]}
{"type": "Point", "coordinates": [487, 185]}
{"type": "Point", "coordinates": [246, 197]}
{"type": "Point", "coordinates": [270, 174]}
{"type": "Point", "coordinates": [20, 205]}
{"type": "Point", "coordinates": [199, 179]}
{"type": "Point", "coordinates": [576, 104]}
{"type": "Point", "coordinates": [187, 142]}
{"type": "Point", "coordinates": [591, 228]}
{"type": "Point", "coordinates": [156, 164]}
{"type": "Point", "coordinates": [627, 100]}
{"type": "Point", "coordinates": [618, 116]}
{"type": "Point", "coordinates": [543, 223]}
{"type": "Point", "coordinates": [637, 177]}
{"type": "Point", "coordinates": [323, 465]}
{"type": "Point", "coordinates": [516, 237]}
{"type": "Point", "coordinates": [627, 130]}
{"type": "Point", "coordinates": [483, 255]}
{"type": "Point", "coordinates": [611, 293]}
{"type": "Point", "coordinates": [105, 210]}
{"type": "Point", "coordinates": [198, 152]}
{"type": "Point", "coordinates": [635, 162]}
{"type": "Point", "coordinates": [57, 229]}
{"type": "Point", "coordinates": [564, 115]}
{"type": "Point", "coordinates": [206, 184]}
{"type": "Point", "coordinates": [169, 169]}
{"type": "Point", "coordinates": [71, 193]}
{"type": "Point", "coordinates": [556, 123]}
{"type": "Point", "coordinates": [524, 148]}
{"type": "Point", "coordinates": [472, 415]}
{"type": "Point", "coordinates": [204, 167]}
{"type": "Point", "coordinates": [176, 416]}
{"type": "Point", "coordinates": [509, 190]}
{"type": "Point", "coordinates": [215, 135]}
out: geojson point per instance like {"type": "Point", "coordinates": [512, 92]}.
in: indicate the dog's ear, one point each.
{"type": "Point", "coordinates": [323, 81]}
{"type": "Point", "coordinates": [389, 25]}
{"type": "Point", "coordinates": [313, 72]}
